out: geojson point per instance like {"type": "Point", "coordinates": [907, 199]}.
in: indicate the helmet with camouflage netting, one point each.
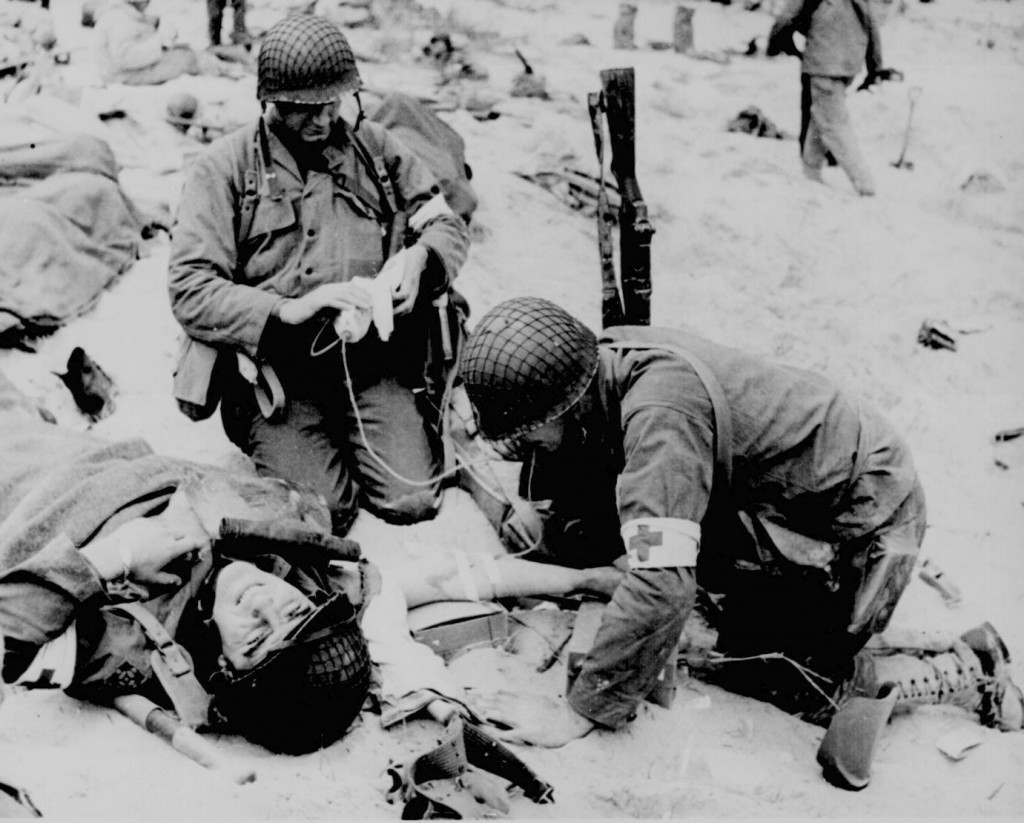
{"type": "Point", "coordinates": [306, 695]}
{"type": "Point", "coordinates": [526, 362]}
{"type": "Point", "coordinates": [305, 59]}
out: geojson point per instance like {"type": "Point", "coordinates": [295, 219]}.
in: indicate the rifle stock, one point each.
{"type": "Point", "coordinates": [635, 229]}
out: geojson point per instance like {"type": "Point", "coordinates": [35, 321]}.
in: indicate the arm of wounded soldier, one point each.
{"type": "Point", "coordinates": [405, 666]}
{"type": "Point", "coordinates": [40, 598]}
{"type": "Point", "coordinates": [638, 631]}
{"type": "Point", "coordinates": [456, 575]}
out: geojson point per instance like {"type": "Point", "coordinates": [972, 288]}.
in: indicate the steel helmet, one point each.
{"type": "Point", "coordinates": [305, 59]}
{"type": "Point", "coordinates": [182, 109]}
{"type": "Point", "coordinates": [526, 362]}
{"type": "Point", "coordinates": [305, 696]}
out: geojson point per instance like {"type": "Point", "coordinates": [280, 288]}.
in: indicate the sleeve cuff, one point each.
{"type": "Point", "coordinates": [61, 563]}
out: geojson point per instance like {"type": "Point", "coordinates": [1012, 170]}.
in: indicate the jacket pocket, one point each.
{"type": "Point", "coordinates": [271, 217]}
{"type": "Point", "coordinates": [196, 389]}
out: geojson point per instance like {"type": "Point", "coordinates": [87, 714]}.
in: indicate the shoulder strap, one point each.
{"type": "Point", "coordinates": [172, 668]}
{"type": "Point", "coordinates": [723, 417]}
{"type": "Point", "coordinates": [373, 160]}
{"type": "Point", "coordinates": [251, 184]}
{"type": "Point", "coordinates": [374, 163]}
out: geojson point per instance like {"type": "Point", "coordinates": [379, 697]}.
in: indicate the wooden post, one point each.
{"type": "Point", "coordinates": [683, 29]}
{"type": "Point", "coordinates": [622, 34]}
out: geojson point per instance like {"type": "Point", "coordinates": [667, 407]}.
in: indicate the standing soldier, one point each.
{"type": "Point", "coordinates": [840, 36]}
{"type": "Point", "coordinates": [215, 18]}
{"type": "Point", "coordinates": [284, 226]}
{"type": "Point", "coordinates": [794, 507]}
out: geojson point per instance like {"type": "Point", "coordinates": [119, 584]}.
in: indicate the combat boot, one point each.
{"type": "Point", "coordinates": [974, 674]}
{"type": "Point", "coordinates": [1002, 703]}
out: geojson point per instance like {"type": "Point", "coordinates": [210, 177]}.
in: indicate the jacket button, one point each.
{"type": "Point", "coordinates": [311, 233]}
{"type": "Point", "coordinates": [309, 270]}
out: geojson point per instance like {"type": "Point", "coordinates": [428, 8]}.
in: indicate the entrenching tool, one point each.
{"type": "Point", "coordinates": [163, 724]}
{"type": "Point", "coordinates": [913, 94]}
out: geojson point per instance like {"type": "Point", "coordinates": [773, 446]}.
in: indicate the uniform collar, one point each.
{"type": "Point", "coordinates": [336, 153]}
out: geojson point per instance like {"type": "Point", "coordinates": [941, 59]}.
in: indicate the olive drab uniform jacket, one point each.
{"type": "Point", "coordinates": [840, 35]}
{"type": "Point", "coordinates": [244, 241]}
{"type": "Point", "coordinates": [60, 490]}
{"type": "Point", "coordinates": [812, 464]}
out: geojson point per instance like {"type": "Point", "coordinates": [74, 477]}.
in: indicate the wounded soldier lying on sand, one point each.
{"type": "Point", "coordinates": [107, 548]}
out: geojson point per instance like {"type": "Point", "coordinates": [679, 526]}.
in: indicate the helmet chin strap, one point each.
{"type": "Point", "coordinates": [362, 115]}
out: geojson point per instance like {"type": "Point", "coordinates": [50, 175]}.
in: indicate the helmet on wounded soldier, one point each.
{"type": "Point", "coordinates": [301, 697]}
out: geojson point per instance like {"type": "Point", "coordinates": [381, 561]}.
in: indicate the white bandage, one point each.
{"type": "Point", "coordinates": [493, 574]}
{"type": "Point", "coordinates": [436, 206]}
{"type": "Point", "coordinates": [382, 290]}
{"type": "Point", "coordinates": [465, 576]}
{"type": "Point", "coordinates": [661, 542]}
{"type": "Point", "coordinates": [53, 667]}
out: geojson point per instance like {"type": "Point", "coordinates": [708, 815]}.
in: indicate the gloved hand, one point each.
{"type": "Point", "coordinates": [879, 76]}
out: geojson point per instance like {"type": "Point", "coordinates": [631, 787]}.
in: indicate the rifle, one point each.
{"type": "Point", "coordinates": [628, 299]}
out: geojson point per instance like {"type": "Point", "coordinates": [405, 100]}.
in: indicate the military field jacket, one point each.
{"type": "Point", "coordinates": [841, 35]}
{"type": "Point", "coordinates": [805, 456]}
{"type": "Point", "coordinates": [326, 228]}
{"type": "Point", "coordinates": [59, 490]}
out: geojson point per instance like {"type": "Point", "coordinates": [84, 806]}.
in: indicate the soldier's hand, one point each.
{"type": "Point", "coordinates": [533, 719]}
{"type": "Point", "coordinates": [143, 549]}
{"type": "Point", "coordinates": [329, 296]}
{"type": "Point", "coordinates": [880, 76]}
{"type": "Point", "coordinates": [412, 262]}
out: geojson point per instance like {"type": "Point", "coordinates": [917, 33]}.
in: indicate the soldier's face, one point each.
{"type": "Point", "coordinates": [548, 437]}
{"type": "Point", "coordinates": [255, 613]}
{"type": "Point", "coordinates": [312, 122]}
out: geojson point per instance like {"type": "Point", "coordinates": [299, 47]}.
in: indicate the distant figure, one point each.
{"type": "Point", "coordinates": [134, 50]}
{"type": "Point", "coordinates": [215, 15]}
{"type": "Point", "coordinates": [840, 36]}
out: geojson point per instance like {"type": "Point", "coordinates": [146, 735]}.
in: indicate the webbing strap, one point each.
{"type": "Point", "coordinates": [720, 408]}
{"type": "Point", "coordinates": [172, 668]}
{"type": "Point", "coordinates": [612, 311]}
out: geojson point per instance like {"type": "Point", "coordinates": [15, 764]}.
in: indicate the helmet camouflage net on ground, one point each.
{"type": "Point", "coordinates": [526, 362]}
{"type": "Point", "coordinates": [305, 59]}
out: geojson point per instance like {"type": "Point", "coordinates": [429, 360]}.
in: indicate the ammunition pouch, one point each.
{"type": "Point", "coordinates": [197, 378]}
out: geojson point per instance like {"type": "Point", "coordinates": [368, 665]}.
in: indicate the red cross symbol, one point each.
{"type": "Point", "coordinates": [643, 540]}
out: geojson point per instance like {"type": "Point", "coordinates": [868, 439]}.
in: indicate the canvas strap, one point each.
{"type": "Point", "coordinates": [720, 408]}
{"type": "Point", "coordinates": [172, 668]}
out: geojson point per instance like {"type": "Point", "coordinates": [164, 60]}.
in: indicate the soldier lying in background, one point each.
{"type": "Point", "coordinates": [108, 550]}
